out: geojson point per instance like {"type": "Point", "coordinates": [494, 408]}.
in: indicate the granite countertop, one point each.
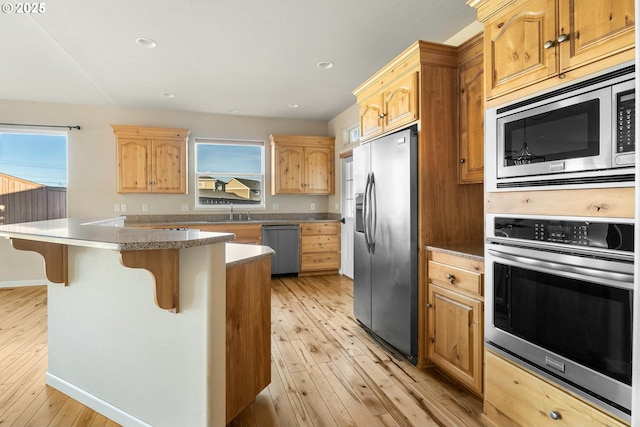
{"type": "Point", "coordinates": [110, 233]}
{"type": "Point", "coordinates": [204, 219]}
{"type": "Point", "coordinates": [238, 253]}
{"type": "Point", "coordinates": [473, 251]}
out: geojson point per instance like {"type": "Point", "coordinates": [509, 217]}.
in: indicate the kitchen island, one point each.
{"type": "Point", "coordinates": [137, 361]}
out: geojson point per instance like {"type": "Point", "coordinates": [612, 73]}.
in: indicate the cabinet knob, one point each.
{"type": "Point", "coordinates": [555, 415]}
{"type": "Point", "coordinates": [451, 278]}
{"type": "Point", "coordinates": [381, 116]}
{"type": "Point", "coordinates": [462, 160]}
{"type": "Point", "coordinates": [563, 38]}
{"type": "Point", "coordinates": [429, 305]}
{"type": "Point", "coordinates": [548, 44]}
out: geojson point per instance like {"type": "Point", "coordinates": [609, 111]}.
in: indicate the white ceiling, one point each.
{"type": "Point", "coordinates": [253, 56]}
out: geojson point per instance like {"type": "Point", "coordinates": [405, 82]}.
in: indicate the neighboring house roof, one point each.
{"type": "Point", "coordinates": [12, 184]}
{"type": "Point", "coordinates": [249, 183]}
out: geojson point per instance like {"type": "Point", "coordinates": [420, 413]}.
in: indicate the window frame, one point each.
{"type": "Point", "coordinates": [229, 142]}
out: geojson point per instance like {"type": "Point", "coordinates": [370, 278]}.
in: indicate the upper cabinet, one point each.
{"type": "Point", "coordinates": [390, 99]}
{"type": "Point", "coordinates": [591, 31]}
{"type": "Point", "coordinates": [515, 46]}
{"type": "Point", "coordinates": [532, 41]}
{"type": "Point", "coordinates": [471, 111]}
{"type": "Point", "coordinates": [395, 105]}
{"type": "Point", "coordinates": [302, 164]}
{"type": "Point", "coordinates": [151, 160]}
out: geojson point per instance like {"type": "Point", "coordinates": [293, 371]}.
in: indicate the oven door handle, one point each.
{"type": "Point", "coordinates": [583, 271]}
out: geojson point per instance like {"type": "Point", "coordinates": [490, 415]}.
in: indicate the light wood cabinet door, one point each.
{"type": "Point", "coordinates": [401, 102]}
{"type": "Point", "coordinates": [134, 165]}
{"type": "Point", "coordinates": [319, 170]}
{"type": "Point", "coordinates": [516, 397]}
{"type": "Point", "coordinates": [371, 117]}
{"type": "Point", "coordinates": [471, 118]}
{"type": "Point", "coordinates": [454, 335]}
{"type": "Point", "coordinates": [169, 173]}
{"type": "Point", "coordinates": [514, 45]}
{"type": "Point", "coordinates": [288, 176]}
{"type": "Point", "coordinates": [594, 30]}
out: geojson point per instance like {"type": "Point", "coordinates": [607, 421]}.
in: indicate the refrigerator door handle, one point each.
{"type": "Point", "coordinates": [365, 212]}
{"type": "Point", "coordinates": [374, 212]}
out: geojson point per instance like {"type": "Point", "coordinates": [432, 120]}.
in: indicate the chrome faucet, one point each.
{"type": "Point", "coordinates": [231, 212]}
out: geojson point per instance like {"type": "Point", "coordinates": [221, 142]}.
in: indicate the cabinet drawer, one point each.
{"type": "Point", "coordinates": [320, 261]}
{"type": "Point", "coordinates": [245, 233]}
{"type": "Point", "coordinates": [455, 278]}
{"type": "Point", "coordinates": [515, 397]}
{"type": "Point", "coordinates": [323, 228]}
{"type": "Point", "coordinates": [320, 244]}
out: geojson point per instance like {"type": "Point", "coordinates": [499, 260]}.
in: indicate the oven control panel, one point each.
{"type": "Point", "coordinates": [625, 131]}
{"type": "Point", "coordinates": [607, 235]}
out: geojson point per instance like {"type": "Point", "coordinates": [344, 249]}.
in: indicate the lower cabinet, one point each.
{"type": "Point", "coordinates": [245, 233]}
{"type": "Point", "coordinates": [455, 318]}
{"type": "Point", "coordinates": [516, 397]}
{"type": "Point", "coordinates": [319, 247]}
{"type": "Point", "coordinates": [248, 333]}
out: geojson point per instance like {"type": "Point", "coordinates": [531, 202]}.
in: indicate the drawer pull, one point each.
{"type": "Point", "coordinates": [555, 415]}
{"type": "Point", "coordinates": [451, 278]}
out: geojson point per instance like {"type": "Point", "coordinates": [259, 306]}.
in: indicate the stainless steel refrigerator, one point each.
{"type": "Point", "coordinates": [385, 174]}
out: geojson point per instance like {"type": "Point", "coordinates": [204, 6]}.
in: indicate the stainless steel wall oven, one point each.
{"type": "Point", "coordinates": [558, 300]}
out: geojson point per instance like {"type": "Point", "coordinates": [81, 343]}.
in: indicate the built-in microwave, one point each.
{"type": "Point", "coordinates": [579, 135]}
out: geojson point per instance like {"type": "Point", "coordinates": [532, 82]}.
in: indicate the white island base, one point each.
{"type": "Point", "coordinates": [114, 350]}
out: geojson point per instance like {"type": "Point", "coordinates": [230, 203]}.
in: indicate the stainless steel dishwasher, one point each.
{"type": "Point", "coordinates": [285, 240]}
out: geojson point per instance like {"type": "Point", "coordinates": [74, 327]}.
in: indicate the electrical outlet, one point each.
{"type": "Point", "coordinates": [313, 206]}
{"type": "Point", "coordinates": [275, 207]}
{"type": "Point", "coordinates": [145, 207]}
{"type": "Point", "coordinates": [116, 208]}
{"type": "Point", "coordinates": [123, 207]}
{"type": "Point", "coordinates": [185, 208]}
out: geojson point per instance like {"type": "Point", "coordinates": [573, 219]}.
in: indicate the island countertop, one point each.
{"type": "Point", "coordinates": [238, 253]}
{"type": "Point", "coordinates": [110, 233]}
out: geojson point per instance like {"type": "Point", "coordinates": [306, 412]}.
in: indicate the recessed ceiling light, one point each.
{"type": "Point", "coordinates": [168, 95]}
{"type": "Point", "coordinates": [293, 105]}
{"type": "Point", "coordinates": [146, 42]}
{"type": "Point", "coordinates": [324, 65]}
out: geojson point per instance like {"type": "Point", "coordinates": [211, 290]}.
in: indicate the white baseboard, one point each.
{"type": "Point", "coordinates": [22, 283]}
{"type": "Point", "coordinates": [94, 402]}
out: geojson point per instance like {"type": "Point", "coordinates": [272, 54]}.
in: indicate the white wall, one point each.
{"type": "Point", "coordinates": [338, 127]}
{"type": "Point", "coordinates": [92, 163]}
{"type": "Point", "coordinates": [92, 151]}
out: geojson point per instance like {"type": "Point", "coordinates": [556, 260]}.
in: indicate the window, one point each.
{"type": "Point", "coordinates": [229, 172]}
{"type": "Point", "coordinates": [354, 134]}
{"type": "Point", "coordinates": [33, 176]}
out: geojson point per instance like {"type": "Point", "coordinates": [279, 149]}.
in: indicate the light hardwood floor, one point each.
{"type": "Point", "coordinates": [326, 371]}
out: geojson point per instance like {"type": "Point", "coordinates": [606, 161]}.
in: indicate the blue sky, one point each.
{"type": "Point", "coordinates": [35, 157]}
{"type": "Point", "coordinates": [237, 159]}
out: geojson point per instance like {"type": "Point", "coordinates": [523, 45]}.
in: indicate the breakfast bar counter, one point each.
{"type": "Point", "coordinates": [137, 361]}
